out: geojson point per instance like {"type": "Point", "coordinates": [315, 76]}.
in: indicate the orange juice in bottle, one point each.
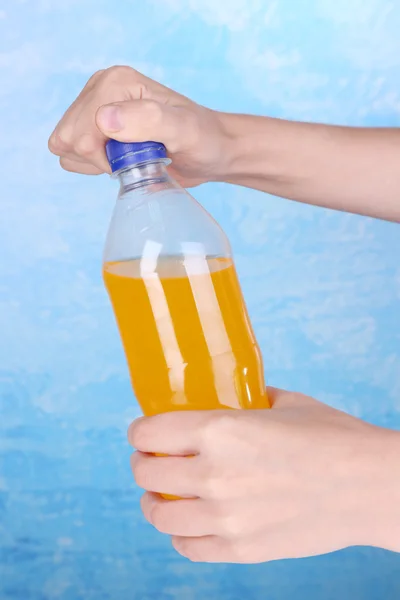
{"type": "Point", "coordinates": [172, 282]}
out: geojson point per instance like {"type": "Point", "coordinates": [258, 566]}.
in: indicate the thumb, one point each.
{"type": "Point", "coordinates": [142, 121]}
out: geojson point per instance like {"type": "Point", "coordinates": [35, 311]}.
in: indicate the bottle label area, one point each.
{"type": "Point", "coordinates": [186, 333]}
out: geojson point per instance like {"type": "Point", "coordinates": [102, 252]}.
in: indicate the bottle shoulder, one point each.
{"type": "Point", "coordinates": [166, 216]}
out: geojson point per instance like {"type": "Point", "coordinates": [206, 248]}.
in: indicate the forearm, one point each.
{"type": "Point", "coordinates": [344, 168]}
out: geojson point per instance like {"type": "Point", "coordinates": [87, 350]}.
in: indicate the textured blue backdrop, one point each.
{"type": "Point", "coordinates": [323, 288]}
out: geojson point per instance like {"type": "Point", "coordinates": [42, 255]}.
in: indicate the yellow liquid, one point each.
{"type": "Point", "coordinates": [186, 333]}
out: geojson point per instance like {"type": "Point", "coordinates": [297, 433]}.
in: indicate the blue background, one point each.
{"type": "Point", "coordinates": [323, 288]}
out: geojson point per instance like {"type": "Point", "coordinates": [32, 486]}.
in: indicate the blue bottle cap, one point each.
{"type": "Point", "coordinates": [121, 155]}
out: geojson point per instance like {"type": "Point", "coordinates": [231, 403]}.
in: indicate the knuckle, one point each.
{"type": "Point", "coordinates": [66, 165]}
{"type": "Point", "coordinates": [139, 438]}
{"type": "Point", "coordinates": [117, 73]}
{"type": "Point", "coordinates": [84, 145]}
{"type": "Point", "coordinates": [213, 485]}
{"type": "Point", "coordinates": [212, 488]}
{"type": "Point", "coordinates": [219, 423]}
{"type": "Point", "coordinates": [158, 518]}
{"type": "Point", "coordinates": [154, 112]}
{"type": "Point", "coordinates": [141, 473]}
{"type": "Point", "coordinates": [66, 134]}
{"type": "Point", "coordinates": [93, 79]}
{"type": "Point", "coordinates": [52, 144]}
{"type": "Point", "coordinates": [57, 145]}
{"type": "Point", "coordinates": [96, 75]}
{"type": "Point", "coordinates": [232, 526]}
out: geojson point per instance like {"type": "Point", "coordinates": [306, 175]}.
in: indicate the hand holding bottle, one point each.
{"type": "Point", "coordinates": [123, 104]}
{"type": "Point", "coordinates": [344, 168]}
{"type": "Point", "coordinates": [298, 480]}
{"type": "Point", "coordinates": [306, 478]}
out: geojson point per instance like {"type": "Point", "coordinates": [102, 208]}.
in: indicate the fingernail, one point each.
{"type": "Point", "coordinates": [109, 118]}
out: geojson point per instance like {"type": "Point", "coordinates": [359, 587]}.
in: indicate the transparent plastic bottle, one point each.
{"type": "Point", "coordinates": [177, 300]}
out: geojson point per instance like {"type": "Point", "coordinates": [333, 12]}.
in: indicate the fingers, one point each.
{"type": "Point", "coordinates": [191, 518]}
{"type": "Point", "coordinates": [174, 433]}
{"type": "Point", "coordinates": [75, 123]}
{"type": "Point", "coordinates": [176, 476]}
{"type": "Point", "coordinates": [143, 120]}
{"type": "Point", "coordinates": [79, 139]}
{"type": "Point", "coordinates": [196, 517]}
{"type": "Point", "coordinates": [78, 166]}
{"type": "Point", "coordinates": [257, 549]}
{"type": "Point", "coordinates": [81, 134]}
{"type": "Point", "coordinates": [211, 549]}
{"type": "Point", "coordinates": [87, 147]}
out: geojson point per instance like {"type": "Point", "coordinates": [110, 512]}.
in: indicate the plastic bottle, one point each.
{"type": "Point", "coordinates": [170, 275]}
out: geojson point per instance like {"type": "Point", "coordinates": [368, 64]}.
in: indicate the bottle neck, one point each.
{"type": "Point", "coordinates": [148, 173]}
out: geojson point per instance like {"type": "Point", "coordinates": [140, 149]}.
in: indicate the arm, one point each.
{"type": "Point", "coordinates": [344, 168]}
{"type": "Point", "coordinates": [299, 480]}
{"type": "Point", "coordinates": [334, 481]}
{"type": "Point", "coordinates": [356, 170]}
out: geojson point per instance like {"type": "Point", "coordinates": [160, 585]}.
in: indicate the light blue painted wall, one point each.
{"type": "Point", "coordinates": [323, 288]}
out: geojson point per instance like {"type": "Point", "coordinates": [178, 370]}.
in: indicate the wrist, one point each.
{"type": "Point", "coordinates": [261, 152]}
{"type": "Point", "coordinates": [245, 150]}
{"type": "Point", "coordinates": [376, 485]}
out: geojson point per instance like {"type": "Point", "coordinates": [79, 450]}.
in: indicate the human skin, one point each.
{"type": "Point", "coordinates": [300, 479]}
{"type": "Point", "coordinates": [344, 168]}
